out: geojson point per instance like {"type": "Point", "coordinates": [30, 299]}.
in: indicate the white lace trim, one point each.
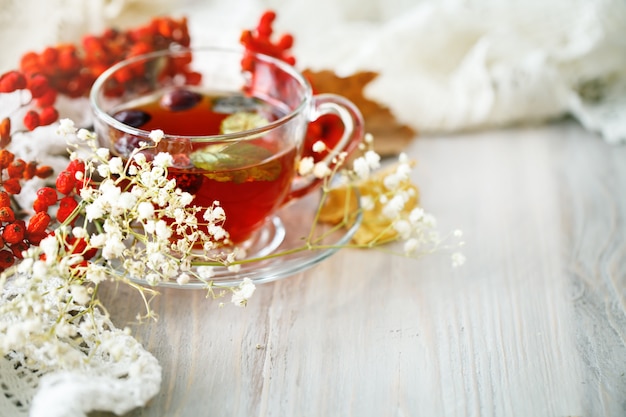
{"type": "Point", "coordinates": [90, 366]}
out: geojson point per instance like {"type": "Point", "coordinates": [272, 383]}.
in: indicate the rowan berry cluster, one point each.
{"type": "Point", "coordinates": [260, 41]}
{"type": "Point", "coordinates": [15, 234]}
{"type": "Point", "coordinates": [71, 70]}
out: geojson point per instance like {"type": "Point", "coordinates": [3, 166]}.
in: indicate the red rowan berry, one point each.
{"type": "Point", "coordinates": [6, 259]}
{"type": "Point", "coordinates": [38, 223]}
{"type": "Point", "coordinates": [18, 249]}
{"type": "Point", "coordinates": [16, 168]}
{"type": "Point", "coordinates": [66, 207]}
{"type": "Point", "coordinates": [31, 120]}
{"type": "Point", "coordinates": [38, 85]}
{"type": "Point", "coordinates": [44, 171]}
{"type": "Point", "coordinates": [6, 157]}
{"type": "Point", "coordinates": [47, 99]}
{"type": "Point", "coordinates": [11, 81]}
{"type": "Point", "coordinates": [48, 115]}
{"type": "Point", "coordinates": [13, 232]}
{"type": "Point", "coordinates": [75, 166]}
{"type": "Point", "coordinates": [30, 170]}
{"type": "Point", "coordinates": [5, 132]}
{"type": "Point", "coordinates": [29, 63]}
{"type": "Point", "coordinates": [48, 195]}
{"type": "Point", "coordinates": [65, 182]}
{"type": "Point", "coordinates": [6, 214]}
{"type": "Point", "coordinates": [12, 186]}
{"type": "Point", "coordinates": [5, 200]}
{"type": "Point", "coordinates": [49, 56]}
{"type": "Point", "coordinates": [40, 205]}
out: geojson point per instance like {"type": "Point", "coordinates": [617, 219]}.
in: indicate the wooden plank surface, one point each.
{"type": "Point", "coordinates": [533, 325]}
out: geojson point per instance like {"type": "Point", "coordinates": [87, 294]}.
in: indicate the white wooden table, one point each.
{"type": "Point", "coordinates": [533, 325]}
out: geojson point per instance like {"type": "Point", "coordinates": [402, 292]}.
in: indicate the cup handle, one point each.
{"type": "Point", "coordinates": [353, 132]}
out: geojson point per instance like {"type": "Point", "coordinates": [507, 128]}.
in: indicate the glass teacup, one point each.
{"type": "Point", "coordinates": [234, 122]}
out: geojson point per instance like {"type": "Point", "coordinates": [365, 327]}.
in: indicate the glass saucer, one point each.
{"type": "Point", "coordinates": [286, 231]}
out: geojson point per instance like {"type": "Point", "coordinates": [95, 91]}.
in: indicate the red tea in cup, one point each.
{"type": "Point", "coordinates": [235, 137]}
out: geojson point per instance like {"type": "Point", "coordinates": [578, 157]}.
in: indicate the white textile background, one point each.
{"type": "Point", "coordinates": [444, 65]}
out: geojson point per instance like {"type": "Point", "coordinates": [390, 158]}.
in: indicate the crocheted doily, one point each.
{"type": "Point", "coordinates": [91, 365]}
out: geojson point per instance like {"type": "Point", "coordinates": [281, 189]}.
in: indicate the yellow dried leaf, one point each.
{"type": "Point", "coordinates": [375, 227]}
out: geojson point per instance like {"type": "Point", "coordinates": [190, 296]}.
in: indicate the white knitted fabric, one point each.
{"type": "Point", "coordinates": [466, 64]}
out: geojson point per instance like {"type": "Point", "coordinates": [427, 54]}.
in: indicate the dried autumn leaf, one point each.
{"type": "Point", "coordinates": [375, 227]}
{"type": "Point", "coordinates": [391, 136]}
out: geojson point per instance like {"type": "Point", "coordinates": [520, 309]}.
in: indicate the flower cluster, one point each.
{"type": "Point", "coordinates": [387, 204]}
{"type": "Point", "coordinates": [128, 218]}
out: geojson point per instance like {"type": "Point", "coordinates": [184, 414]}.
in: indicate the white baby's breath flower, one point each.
{"type": "Point", "coordinates": [205, 272]}
{"type": "Point", "coordinates": [96, 273]}
{"type": "Point", "coordinates": [319, 146]}
{"type": "Point", "coordinates": [183, 279]}
{"type": "Point", "coordinates": [132, 170]}
{"type": "Point", "coordinates": [145, 210]}
{"type": "Point", "coordinates": [234, 268]}
{"type": "Point", "coordinates": [113, 248]}
{"type": "Point", "coordinates": [185, 199]}
{"type": "Point", "coordinates": [98, 241]}
{"type": "Point", "coordinates": [410, 246]}
{"type": "Point", "coordinates": [163, 160]}
{"type": "Point", "coordinates": [416, 215]}
{"type": "Point", "coordinates": [116, 165]}
{"type": "Point", "coordinates": [156, 135]}
{"type": "Point", "coordinates": [403, 228]}
{"type": "Point", "coordinates": [163, 231]}
{"type": "Point", "coordinates": [218, 232]}
{"type": "Point", "coordinates": [321, 170]}
{"type": "Point", "coordinates": [80, 294]}
{"type": "Point", "coordinates": [243, 293]}
{"type": "Point", "coordinates": [368, 138]}
{"type": "Point", "coordinates": [403, 158]}
{"type": "Point", "coordinates": [103, 153]}
{"type": "Point", "coordinates": [361, 168]}
{"type": "Point", "coordinates": [126, 202]}
{"type": "Point", "coordinates": [66, 127]}
{"type": "Point", "coordinates": [391, 181]}
{"type": "Point", "coordinates": [79, 232]}
{"type": "Point", "coordinates": [458, 259]}
{"type": "Point", "coordinates": [305, 166]}
{"type": "Point", "coordinates": [94, 210]}
{"type": "Point", "coordinates": [373, 159]}
{"type": "Point", "coordinates": [153, 278]}
{"type": "Point", "coordinates": [86, 135]}
{"type": "Point", "coordinates": [367, 202]}
{"type": "Point", "coordinates": [139, 158]}
{"type": "Point", "coordinates": [393, 208]}
{"type": "Point", "coordinates": [214, 214]}
{"type": "Point", "coordinates": [50, 247]}
{"type": "Point", "coordinates": [104, 170]}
